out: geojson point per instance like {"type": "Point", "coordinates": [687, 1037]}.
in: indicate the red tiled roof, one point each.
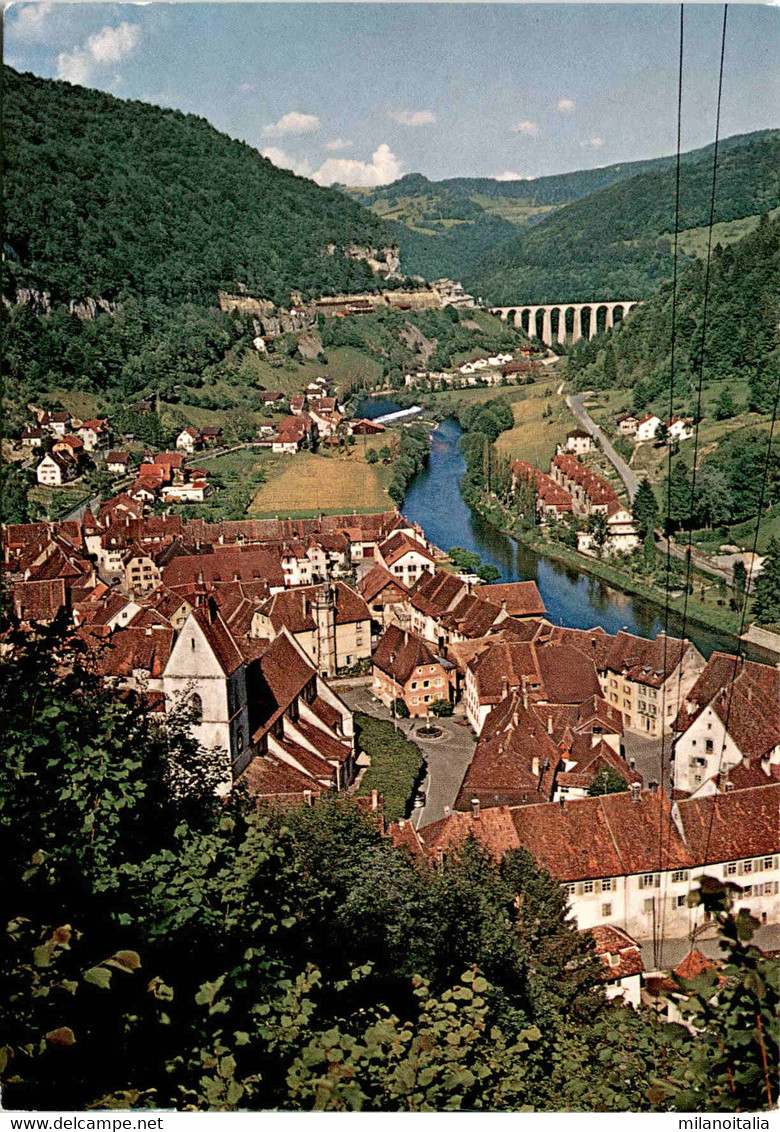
{"type": "Point", "coordinates": [399, 653]}
{"type": "Point", "coordinates": [293, 607]}
{"type": "Point", "coordinates": [621, 955]}
{"type": "Point", "coordinates": [39, 601]}
{"type": "Point", "coordinates": [117, 457]}
{"type": "Point", "coordinates": [400, 544]}
{"type": "Point", "coordinates": [277, 678]}
{"type": "Point", "coordinates": [377, 580]}
{"type": "Point", "coordinates": [267, 777]}
{"type": "Point", "coordinates": [519, 599]}
{"type": "Point", "coordinates": [645, 661]}
{"type": "Point", "coordinates": [694, 963]}
{"type": "Point", "coordinates": [726, 827]}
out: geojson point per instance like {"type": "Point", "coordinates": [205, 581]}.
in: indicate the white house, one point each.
{"type": "Point", "coordinates": [727, 723]}
{"type": "Point", "coordinates": [405, 558]}
{"type": "Point", "coordinates": [628, 425]}
{"type": "Point", "coordinates": [32, 437]}
{"type": "Point", "coordinates": [94, 434]}
{"type": "Point", "coordinates": [188, 440]}
{"type": "Point", "coordinates": [647, 427]}
{"type": "Point", "coordinates": [117, 462]}
{"type": "Point", "coordinates": [206, 670]}
{"type": "Point", "coordinates": [617, 870]}
{"type": "Point", "coordinates": [622, 966]}
{"type": "Point", "coordinates": [680, 429]}
{"type": "Point", "coordinates": [578, 441]}
{"type": "Point", "coordinates": [189, 491]}
{"type": "Point", "coordinates": [56, 468]}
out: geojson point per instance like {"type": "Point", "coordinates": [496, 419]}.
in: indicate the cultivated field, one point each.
{"type": "Point", "coordinates": [535, 436]}
{"type": "Point", "coordinates": [306, 484]}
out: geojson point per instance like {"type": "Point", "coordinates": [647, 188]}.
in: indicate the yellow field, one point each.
{"type": "Point", "coordinates": [534, 436]}
{"type": "Point", "coordinates": [307, 483]}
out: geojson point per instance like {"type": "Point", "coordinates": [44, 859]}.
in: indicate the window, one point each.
{"type": "Point", "coordinates": [697, 779]}
{"type": "Point", "coordinates": [415, 700]}
{"type": "Point", "coordinates": [649, 905]}
{"type": "Point", "coordinates": [587, 886]}
{"type": "Point", "coordinates": [680, 874]}
{"type": "Point", "coordinates": [767, 862]}
{"type": "Point", "coordinates": [747, 890]}
{"type": "Point", "coordinates": [196, 704]}
{"type": "Point", "coordinates": [414, 685]}
{"type": "Point", "coordinates": [730, 869]}
{"type": "Point", "coordinates": [606, 909]}
{"type": "Point", "coordinates": [570, 889]}
{"type": "Point", "coordinates": [679, 901]}
{"type": "Point", "coordinates": [709, 746]}
{"type": "Point", "coordinates": [649, 880]}
{"type": "Point", "coordinates": [426, 683]}
{"type": "Point", "coordinates": [607, 885]}
{"type": "Point", "coordinates": [240, 739]}
{"type": "Point", "coordinates": [192, 643]}
{"type": "Point", "coordinates": [747, 867]}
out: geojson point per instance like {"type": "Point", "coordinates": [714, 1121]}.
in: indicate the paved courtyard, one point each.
{"type": "Point", "coordinates": [446, 758]}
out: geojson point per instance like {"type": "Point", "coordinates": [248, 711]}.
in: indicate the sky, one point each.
{"type": "Point", "coordinates": [364, 93]}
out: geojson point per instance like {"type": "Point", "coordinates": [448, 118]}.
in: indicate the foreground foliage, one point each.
{"type": "Point", "coordinates": [166, 950]}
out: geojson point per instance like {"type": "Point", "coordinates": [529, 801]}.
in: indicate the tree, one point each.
{"type": "Point", "coordinates": [371, 456]}
{"type": "Point", "coordinates": [662, 434]}
{"type": "Point", "coordinates": [488, 572]}
{"type": "Point", "coordinates": [385, 453]}
{"type": "Point", "coordinates": [598, 529]}
{"type": "Point", "coordinates": [766, 600]}
{"type": "Point", "coordinates": [645, 508]}
{"type": "Point", "coordinates": [607, 781]}
{"type": "Point", "coordinates": [442, 707]}
{"type": "Point", "coordinates": [400, 709]}
{"type": "Point", "coordinates": [465, 560]}
{"type": "Point", "coordinates": [725, 408]}
{"type": "Point", "coordinates": [739, 575]}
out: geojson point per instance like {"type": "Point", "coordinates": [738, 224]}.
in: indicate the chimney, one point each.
{"type": "Point", "coordinates": [475, 807]}
{"type": "Point", "coordinates": [549, 725]}
{"type": "Point", "coordinates": [446, 811]}
{"type": "Point", "coordinates": [374, 800]}
{"type": "Point", "coordinates": [636, 791]}
{"type": "Point", "coordinates": [535, 766]}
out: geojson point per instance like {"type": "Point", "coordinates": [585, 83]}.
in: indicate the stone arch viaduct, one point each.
{"type": "Point", "coordinates": [560, 321]}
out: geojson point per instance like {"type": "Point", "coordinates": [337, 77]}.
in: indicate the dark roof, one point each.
{"type": "Point", "coordinates": [519, 599]}
{"type": "Point", "coordinates": [399, 653]}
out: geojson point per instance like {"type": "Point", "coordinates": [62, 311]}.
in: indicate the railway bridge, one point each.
{"type": "Point", "coordinates": [559, 322]}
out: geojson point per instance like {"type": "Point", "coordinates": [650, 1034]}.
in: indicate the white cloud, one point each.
{"type": "Point", "coordinates": [108, 45]}
{"type": "Point", "coordinates": [286, 161]}
{"type": "Point", "coordinates": [338, 143]}
{"type": "Point", "coordinates": [594, 143]}
{"type": "Point", "coordinates": [293, 123]}
{"type": "Point", "coordinates": [30, 20]}
{"type": "Point", "coordinates": [383, 168]}
{"type": "Point", "coordinates": [529, 128]}
{"type": "Point", "coordinates": [566, 105]}
{"type": "Point", "coordinates": [413, 117]}
{"type": "Point", "coordinates": [510, 175]}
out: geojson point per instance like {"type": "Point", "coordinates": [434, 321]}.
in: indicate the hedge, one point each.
{"type": "Point", "coordinates": [397, 766]}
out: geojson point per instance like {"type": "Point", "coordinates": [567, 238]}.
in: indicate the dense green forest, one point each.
{"type": "Point", "coordinates": [743, 310]}
{"type": "Point", "coordinates": [112, 199]}
{"type": "Point", "coordinates": [167, 950]}
{"type": "Point", "coordinates": [617, 242]}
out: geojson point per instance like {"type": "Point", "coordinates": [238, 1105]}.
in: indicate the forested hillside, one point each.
{"type": "Point", "coordinates": [445, 227]}
{"type": "Point", "coordinates": [616, 243]}
{"type": "Point", "coordinates": [107, 198]}
{"type": "Point", "coordinates": [742, 330]}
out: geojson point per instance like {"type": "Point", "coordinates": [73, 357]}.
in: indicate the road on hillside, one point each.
{"type": "Point", "coordinates": [629, 478]}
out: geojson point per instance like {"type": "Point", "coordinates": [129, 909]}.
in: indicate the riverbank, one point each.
{"type": "Point", "coordinates": [723, 620]}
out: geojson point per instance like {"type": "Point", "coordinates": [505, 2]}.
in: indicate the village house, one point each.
{"type": "Point", "coordinates": [185, 489]}
{"type": "Point", "coordinates": [331, 623]}
{"type": "Point", "coordinates": [56, 468]}
{"type": "Point", "coordinates": [647, 427]}
{"type": "Point", "coordinates": [648, 680]}
{"type": "Point", "coordinates": [622, 966]}
{"type": "Point", "coordinates": [211, 435]}
{"type": "Point", "coordinates": [679, 428]}
{"type": "Point", "coordinates": [383, 593]}
{"type": "Point", "coordinates": [364, 427]}
{"type": "Point", "coordinates": [442, 610]}
{"type": "Point", "coordinates": [298, 404]}
{"type": "Point", "coordinates": [189, 440]}
{"type": "Point", "coordinates": [32, 437]}
{"type": "Point", "coordinates": [117, 462]}
{"type": "Point", "coordinates": [405, 668]}
{"type": "Point", "coordinates": [616, 870]}
{"type": "Point", "coordinates": [628, 425]}
{"type": "Point", "coordinates": [405, 558]}
{"type": "Point", "coordinates": [728, 727]}
{"type": "Point", "coordinates": [552, 500]}
{"type": "Point", "coordinates": [58, 422]}
{"type": "Point", "coordinates": [70, 446]}
{"type": "Point", "coordinates": [578, 441]}
{"type": "Point", "coordinates": [94, 433]}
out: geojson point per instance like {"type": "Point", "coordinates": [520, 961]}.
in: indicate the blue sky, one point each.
{"type": "Point", "coordinates": [363, 93]}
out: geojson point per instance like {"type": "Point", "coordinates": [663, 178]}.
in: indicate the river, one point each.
{"type": "Point", "coordinates": [572, 598]}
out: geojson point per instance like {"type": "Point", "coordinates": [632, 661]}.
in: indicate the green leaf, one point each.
{"type": "Point", "coordinates": [100, 976]}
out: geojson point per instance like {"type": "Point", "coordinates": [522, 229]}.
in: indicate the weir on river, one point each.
{"type": "Point", "coordinates": [572, 597]}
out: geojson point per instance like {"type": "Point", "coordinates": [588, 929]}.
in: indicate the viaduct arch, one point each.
{"type": "Point", "coordinates": [526, 317]}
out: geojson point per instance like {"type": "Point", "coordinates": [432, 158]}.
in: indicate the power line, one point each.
{"type": "Point", "coordinates": [656, 955]}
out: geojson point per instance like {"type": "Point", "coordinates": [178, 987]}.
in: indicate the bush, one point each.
{"type": "Point", "coordinates": [397, 766]}
{"type": "Point", "coordinates": [442, 707]}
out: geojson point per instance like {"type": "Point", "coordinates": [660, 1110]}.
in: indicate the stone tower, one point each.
{"type": "Point", "coordinates": [323, 610]}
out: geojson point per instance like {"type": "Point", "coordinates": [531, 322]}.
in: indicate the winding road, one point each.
{"type": "Point", "coordinates": [629, 478]}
